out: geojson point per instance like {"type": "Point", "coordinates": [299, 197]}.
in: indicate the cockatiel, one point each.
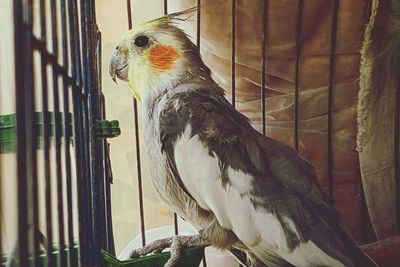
{"type": "Point", "coordinates": [240, 188]}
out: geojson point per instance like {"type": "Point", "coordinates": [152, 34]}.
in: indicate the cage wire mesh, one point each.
{"type": "Point", "coordinates": [62, 166]}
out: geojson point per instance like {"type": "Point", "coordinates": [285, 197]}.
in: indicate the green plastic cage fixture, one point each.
{"type": "Point", "coordinates": [190, 257]}
{"type": "Point", "coordinates": [8, 131]}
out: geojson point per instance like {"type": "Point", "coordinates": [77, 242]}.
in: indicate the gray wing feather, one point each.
{"type": "Point", "coordinates": [284, 182]}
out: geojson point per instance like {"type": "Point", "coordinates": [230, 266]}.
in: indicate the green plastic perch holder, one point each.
{"type": "Point", "coordinates": [8, 129]}
{"type": "Point", "coordinates": [190, 257]}
{"type": "Point", "coordinates": [107, 129]}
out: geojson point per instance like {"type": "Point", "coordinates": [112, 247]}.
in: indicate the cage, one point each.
{"type": "Point", "coordinates": [63, 205]}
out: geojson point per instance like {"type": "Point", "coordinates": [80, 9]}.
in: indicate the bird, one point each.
{"type": "Point", "coordinates": [238, 187]}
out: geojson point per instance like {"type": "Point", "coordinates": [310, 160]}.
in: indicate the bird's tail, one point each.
{"type": "Point", "coordinates": [358, 256]}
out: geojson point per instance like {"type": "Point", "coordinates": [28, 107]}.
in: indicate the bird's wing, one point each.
{"type": "Point", "coordinates": [256, 187]}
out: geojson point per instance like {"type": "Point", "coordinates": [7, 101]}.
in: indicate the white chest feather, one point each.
{"type": "Point", "coordinates": [259, 230]}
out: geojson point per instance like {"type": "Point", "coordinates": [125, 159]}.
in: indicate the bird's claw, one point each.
{"type": "Point", "coordinates": [176, 243]}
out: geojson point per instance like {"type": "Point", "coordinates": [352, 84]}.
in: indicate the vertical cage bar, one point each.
{"type": "Point", "coordinates": [67, 133]}
{"type": "Point", "coordinates": [198, 23]}
{"type": "Point", "coordinates": [80, 139]}
{"type": "Point", "coordinates": [75, 41]}
{"type": "Point", "coordinates": [233, 58]}
{"type": "Point", "coordinates": [88, 238]}
{"type": "Point", "coordinates": [79, 142]}
{"type": "Point", "coordinates": [176, 227]}
{"type": "Point", "coordinates": [137, 144]}
{"type": "Point", "coordinates": [397, 148]}
{"type": "Point", "coordinates": [34, 177]}
{"type": "Point", "coordinates": [26, 134]}
{"type": "Point", "coordinates": [263, 54]}
{"type": "Point", "coordinates": [299, 22]}
{"type": "Point", "coordinates": [165, 7]}
{"type": "Point", "coordinates": [96, 149]}
{"type": "Point", "coordinates": [75, 74]}
{"type": "Point", "coordinates": [57, 138]}
{"type": "Point", "coordinates": [108, 240]}
{"type": "Point", "coordinates": [330, 96]}
{"type": "Point", "coordinates": [109, 179]}
{"type": "Point", "coordinates": [46, 139]}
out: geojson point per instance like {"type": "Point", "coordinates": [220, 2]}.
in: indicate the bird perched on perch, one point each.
{"type": "Point", "coordinates": [240, 188]}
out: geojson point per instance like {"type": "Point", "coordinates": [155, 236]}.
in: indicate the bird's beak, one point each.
{"type": "Point", "coordinates": [118, 66]}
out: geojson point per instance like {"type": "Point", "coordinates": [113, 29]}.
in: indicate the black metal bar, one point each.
{"type": "Point", "coordinates": [198, 28]}
{"type": "Point", "coordinates": [67, 136]}
{"type": "Point", "coordinates": [79, 136]}
{"type": "Point", "coordinates": [105, 156]}
{"type": "Point", "coordinates": [263, 54]}
{"type": "Point", "coordinates": [94, 108]}
{"type": "Point", "coordinates": [75, 41]}
{"type": "Point", "coordinates": [46, 139]}
{"type": "Point", "coordinates": [165, 7]}
{"type": "Point", "coordinates": [176, 228]}
{"type": "Point", "coordinates": [76, 76]}
{"type": "Point", "coordinates": [397, 148]}
{"type": "Point", "coordinates": [79, 143]}
{"type": "Point", "coordinates": [24, 106]}
{"type": "Point", "coordinates": [299, 20]}
{"type": "Point", "coordinates": [233, 59]}
{"type": "Point", "coordinates": [330, 96]}
{"type": "Point", "coordinates": [137, 144]}
{"type": "Point", "coordinates": [57, 141]}
{"type": "Point", "coordinates": [86, 206]}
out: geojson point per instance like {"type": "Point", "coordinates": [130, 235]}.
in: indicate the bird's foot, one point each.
{"type": "Point", "coordinates": [176, 243]}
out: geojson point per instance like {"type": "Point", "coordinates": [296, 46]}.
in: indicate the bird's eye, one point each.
{"type": "Point", "coordinates": [142, 41]}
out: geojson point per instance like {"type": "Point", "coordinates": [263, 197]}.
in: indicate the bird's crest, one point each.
{"type": "Point", "coordinates": [168, 19]}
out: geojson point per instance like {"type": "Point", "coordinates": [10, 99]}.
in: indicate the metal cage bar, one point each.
{"type": "Point", "coordinates": [25, 122]}
{"type": "Point", "coordinates": [198, 24]}
{"type": "Point", "coordinates": [57, 132]}
{"type": "Point", "coordinates": [397, 148]}
{"type": "Point", "coordinates": [46, 137]}
{"type": "Point", "coordinates": [137, 144]}
{"type": "Point", "coordinates": [66, 88]}
{"type": "Point", "coordinates": [335, 11]}
{"type": "Point", "coordinates": [233, 56]}
{"type": "Point", "coordinates": [299, 22]}
{"type": "Point", "coordinates": [77, 77]}
{"type": "Point", "coordinates": [263, 55]}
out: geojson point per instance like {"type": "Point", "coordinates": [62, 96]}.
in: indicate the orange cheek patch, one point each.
{"type": "Point", "coordinates": [162, 57]}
